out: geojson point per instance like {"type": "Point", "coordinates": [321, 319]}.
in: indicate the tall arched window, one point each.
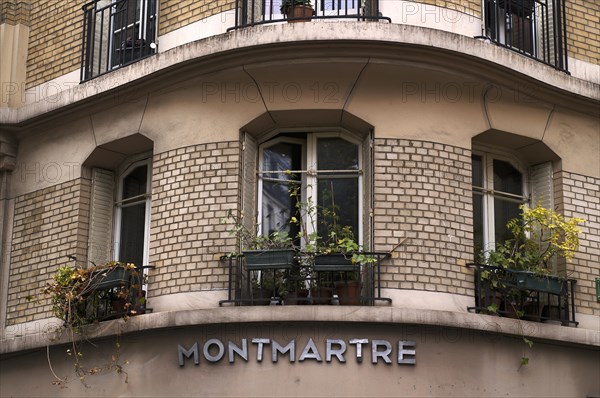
{"type": "Point", "coordinates": [132, 214]}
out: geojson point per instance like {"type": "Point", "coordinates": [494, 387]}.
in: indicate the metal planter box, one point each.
{"type": "Point", "coordinates": [334, 262]}
{"type": "Point", "coordinates": [269, 259]}
{"type": "Point", "coordinates": [530, 281]}
{"type": "Point", "coordinates": [110, 278]}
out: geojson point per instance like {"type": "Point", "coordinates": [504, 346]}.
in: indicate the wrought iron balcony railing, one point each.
{"type": "Point", "coordinates": [524, 295]}
{"type": "Point", "coordinates": [329, 280]}
{"type": "Point", "coordinates": [535, 28]}
{"type": "Point", "coordinates": [116, 33]}
{"type": "Point", "coordinates": [256, 12]}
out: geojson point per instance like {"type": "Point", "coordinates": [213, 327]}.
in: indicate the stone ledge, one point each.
{"type": "Point", "coordinates": [382, 315]}
{"type": "Point", "coordinates": [239, 47]}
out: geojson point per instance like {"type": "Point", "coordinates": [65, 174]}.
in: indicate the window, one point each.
{"type": "Point", "coordinates": [532, 27]}
{"type": "Point", "coordinates": [498, 191]}
{"type": "Point", "coordinates": [500, 185]}
{"type": "Point", "coordinates": [327, 167]}
{"type": "Point", "coordinates": [120, 214]}
{"type": "Point", "coordinates": [133, 214]}
{"type": "Point", "coordinates": [116, 33]}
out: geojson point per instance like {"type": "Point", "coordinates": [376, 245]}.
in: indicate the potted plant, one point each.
{"type": "Point", "coordinates": [260, 252]}
{"type": "Point", "coordinates": [523, 263]}
{"type": "Point", "coordinates": [297, 10]}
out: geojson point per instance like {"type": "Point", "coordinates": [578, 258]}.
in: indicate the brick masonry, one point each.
{"type": "Point", "coordinates": [192, 190]}
{"type": "Point", "coordinates": [48, 225]}
{"type": "Point", "coordinates": [14, 12]}
{"type": "Point", "coordinates": [583, 30]}
{"type": "Point", "coordinates": [580, 197]}
{"type": "Point", "coordinates": [175, 14]}
{"type": "Point", "coordinates": [422, 193]}
{"type": "Point", "coordinates": [54, 40]}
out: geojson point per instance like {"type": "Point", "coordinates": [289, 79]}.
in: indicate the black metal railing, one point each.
{"type": "Point", "coordinates": [524, 295]}
{"type": "Point", "coordinates": [338, 283]}
{"type": "Point", "coordinates": [535, 28]}
{"type": "Point", "coordinates": [256, 12]}
{"type": "Point", "coordinates": [116, 33]}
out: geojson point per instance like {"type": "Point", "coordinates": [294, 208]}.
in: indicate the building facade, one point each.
{"type": "Point", "coordinates": [131, 129]}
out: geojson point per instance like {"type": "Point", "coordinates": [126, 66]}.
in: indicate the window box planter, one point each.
{"type": "Point", "coordinates": [334, 262]}
{"type": "Point", "coordinates": [111, 278]}
{"type": "Point", "coordinates": [269, 259]}
{"type": "Point", "coordinates": [531, 281]}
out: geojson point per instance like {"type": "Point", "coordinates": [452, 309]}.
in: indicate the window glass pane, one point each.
{"type": "Point", "coordinates": [131, 247]}
{"type": "Point", "coordinates": [280, 157]}
{"type": "Point", "coordinates": [507, 178]}
{"type": "Point", "coordinates": [277, 205]}
{"type": "Point", "coordinates": [504, 211]}
{"type": "Point", "coordinates": [277, 208]}
{"type": "Point", "coordinates": [478, 224]}
{"type": "Point", "coordinates": [337, 205]}
{"type": "Point", "coordinates": [134, 183]}
{"type": "Point", "coordinates": [477, 170]}
{"type": "Point", "coordinates": [336, 154]}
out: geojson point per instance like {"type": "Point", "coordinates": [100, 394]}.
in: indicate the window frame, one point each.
{"type": "Point", "coordinates": [123, 171]}
{"type": "Point", "coordinates": [488, 155]}
{"type": "Point", "coordinates": [309, 179]}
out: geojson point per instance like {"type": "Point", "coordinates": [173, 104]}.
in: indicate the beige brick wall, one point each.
{"type": "Point", "coordinates": [423, 194]}
{"type": "Point", "coordinates": [583, 30]}
{"type": "Point", "coordinates": [14, 12]}
{"type": "Point", "coordinates": [192, 190]}
{"type": "Point", "coordinates": [54, 39]}
{"type": "Point", "coordinates": [580, 197]}
{"type": "Point", "coordinates": [48, 225]}
{"type": "Point", "coordinates": [175, 14]}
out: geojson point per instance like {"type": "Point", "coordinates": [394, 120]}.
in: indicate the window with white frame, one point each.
{"type": "Point", "coordinates": [500, 185]}
{"type": "Point", "coordinates": [132, 214]}
{"type": "Point", "coordinates": [120, 213]}
{"type": "Point", "coordinates": [498, 191]}
{"type": "Point", "coordinates": [327, 167]}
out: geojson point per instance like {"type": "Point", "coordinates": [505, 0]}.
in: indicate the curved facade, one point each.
{"type": "Point", "coordinates": [424, 97]}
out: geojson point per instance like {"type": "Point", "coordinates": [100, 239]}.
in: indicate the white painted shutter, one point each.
{"type": "Point", "coordinates": [249, 169]}
{"type": "Point", "coordinates": [367, 205]}
{"type": "Point", "coordinates": [542, 192]}
{"type": "Point", "coordinates": [542, 185]}
{"type": "Point", "coordinates": [101, 217]}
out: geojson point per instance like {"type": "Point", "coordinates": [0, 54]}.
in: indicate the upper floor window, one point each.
{"type": "Point", "coordinates": [116, 33]}
{"type": "Point", "coordinates": [532, 27]}
{"type": "Point", "coordinates": [326, 169]}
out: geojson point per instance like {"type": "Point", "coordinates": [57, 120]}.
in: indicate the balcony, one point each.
{"type": "Point", "coordinates": [115, 34]}
{"type": "Point", "coordinates": [256, 12]}
{"type": "Point", "coordinates": [327, 280]}
{"type": "Point", "coordinates": [535, 28]}
{"type": "Point", "coordinates": [524, 295]}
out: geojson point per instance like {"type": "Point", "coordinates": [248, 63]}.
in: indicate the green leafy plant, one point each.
{"type": "Point", "coordinates": [539, 236]}
{"type": "Point", "coordinates": [75, 294]}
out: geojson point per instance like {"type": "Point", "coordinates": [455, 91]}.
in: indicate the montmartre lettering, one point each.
{"type": "Point", "coordinates": [213, 350]}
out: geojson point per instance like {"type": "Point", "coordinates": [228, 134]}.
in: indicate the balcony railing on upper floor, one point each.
{"type": "Point", "coordinates": [116, 33]}
{"type": "Point", "coordinates": [535, 28]}
{"type": "Point", "coordinates": [256, 12]}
